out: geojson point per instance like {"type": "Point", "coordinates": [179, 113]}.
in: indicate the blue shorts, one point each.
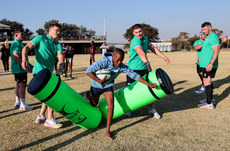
{"type": "Point", "coordinates": [97, 91]}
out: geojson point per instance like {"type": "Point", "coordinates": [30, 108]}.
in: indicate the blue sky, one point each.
{"type": "Point", "coordinates": [169, 17]}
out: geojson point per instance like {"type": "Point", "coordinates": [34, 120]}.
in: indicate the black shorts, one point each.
{"type": "Point", "coordinates": [198, 69]}
{"type": "Point", "coordinates": [206, 74]}
{"type": "Point", "coordinates": [20, 77]}
{"type": "Point", "coordinates": [68, 60]}
{"type": "Point", "coordinates": [140, 72]}
{"type": "Point", "coordinates": [97, 91]}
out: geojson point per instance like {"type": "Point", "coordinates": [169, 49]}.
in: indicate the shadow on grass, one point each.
{"type": "Point", "coordinates": [188, 99]}
{"type": "Point", "coordinates": [46, 138]}
{"type": "Point", "coordinates": [11, 88]}
{"type": "Point", "coordinates": [17, 109]}
{"type": "Point", "coordinates": [20, 112]}
{"type": "Point", "coordinates": [85, 133]}
{"type": "Point", "coordinates": [6, 73]}
{"type": "Point", "coordinates": [75, 138]}
{"type": "Point", "coordinates": [176, 102]}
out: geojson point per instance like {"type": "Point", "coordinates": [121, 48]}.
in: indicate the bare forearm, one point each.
{"type": "Point", "coordinates": [160, 54]}
{"type": "Point", "coordinates": [141, 54]}
{"type": "Point", "coordinates": [157, 51]}
{"type": "Point", "coordinates": [143, 81]}
{"type": "Point", "coordinates": [93, 76]}
{"type": "Point", "coordinates": [18, 59]}
{"type": "Point", "coordinates": [215, 55]}
{"type": "Point", "coordinates": [25, 50]}
{"type": "Point", "coordinates": [61, 59]}
{"type": "Point", "coordinates": [216, 50]}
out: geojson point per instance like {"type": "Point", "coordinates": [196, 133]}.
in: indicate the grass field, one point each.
{"type": "Point", "coordinates": [183, 126]}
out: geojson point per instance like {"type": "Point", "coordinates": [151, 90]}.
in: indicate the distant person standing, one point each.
{"type": "Point", "coordinates": [20, 74]}
{"type": "Point", "coordinates": [92, 52]}
{"type": "Point", "coordinates": [198, 46]}
{"type": "Point", "coordinates": [104, 47]}
{"type": "Point", "coordinates": [139, 62]}
{"type": "Point", "coordinates": [47, 50]}
{"type": "Point", "coordinates": [65, 49]}
{"type": "Point", "coordinates": [5, 57]}
{"type": "Point", "coordinates": [69, 61]}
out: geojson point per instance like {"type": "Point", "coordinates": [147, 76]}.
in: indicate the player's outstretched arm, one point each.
{"type": "Point", "coordinates": [148, 84]}
{"type": "Point", "coordinates": [159, 53]}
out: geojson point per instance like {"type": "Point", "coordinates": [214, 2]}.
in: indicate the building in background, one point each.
{"type": "Point", "coordinates": [163, 46]}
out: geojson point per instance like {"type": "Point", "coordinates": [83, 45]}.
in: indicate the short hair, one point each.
{"type": "Point", "coordinates": [206, 24]}
{"type": "Point", "coordinates": [119, 51]}
{"type": "Point", "coordinates": [136, 26]}
{"type": "Point", "coordinates": [54, 23]}
{"type": "Point", "coordinates": [16, 31]}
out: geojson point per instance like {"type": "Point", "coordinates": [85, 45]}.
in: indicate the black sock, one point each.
{"type": "Point", "coordinates": [209, 93]}
{"type": "Point", "coordinates": [201, 78]}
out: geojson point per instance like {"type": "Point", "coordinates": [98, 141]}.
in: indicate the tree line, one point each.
{"type": "Point", "coordinates": [183, 41]}
{"type": "Point", "coordinates": [68, 31]}
{"type": "Point", "coordinates": [74, 32]}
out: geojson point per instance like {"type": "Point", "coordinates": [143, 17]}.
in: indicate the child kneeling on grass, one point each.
{"type": "Point", "coordinates": [112, 62]}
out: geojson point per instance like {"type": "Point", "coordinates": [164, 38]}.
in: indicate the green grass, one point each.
{"type": "Point", "coordinates": [183, 126]}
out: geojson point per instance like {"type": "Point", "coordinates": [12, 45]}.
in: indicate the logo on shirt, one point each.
{"type": "Point", "coordinates": [115, 70]}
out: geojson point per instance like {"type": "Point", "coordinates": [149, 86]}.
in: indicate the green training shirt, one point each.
{"type": "Point", "coordinates": [46, 50]}
{"type": "Point", "coordinates": [198, 42]}
{"type": "Point", "coordinates": [16, 46]}
{"type": "Point", "coordinates": [207, 52]}
{"type": "Point", "coordinates": [135, 62]}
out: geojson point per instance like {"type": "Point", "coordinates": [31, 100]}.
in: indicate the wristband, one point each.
{"type": "Point", "coordinates": [148, 66]}
{"type": "Point", "coordinates": [211, 63]}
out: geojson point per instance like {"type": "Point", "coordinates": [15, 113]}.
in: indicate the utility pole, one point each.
{"type": "Point", "coordinates": [104, 30]}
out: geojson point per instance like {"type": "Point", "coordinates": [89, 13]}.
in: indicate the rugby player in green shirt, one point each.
{"type": "Point", "coordinates": [47, 49]}
{"type": "Point", "coordinates": [209, 63]}
{"type": "Point", "coordinates": [197, 46]}
{"type": "Point", "coordinates": [20, 74]}
{"type": "Point", "coordinates": [139, 62]}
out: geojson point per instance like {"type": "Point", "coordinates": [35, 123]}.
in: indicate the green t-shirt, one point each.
{"type": "Point", "coordinates": [207, 52]}
{"type": "Point", "coordinates": [198, 42]}
{"type": "Point", "coordinates": [46, 50]}
{"type": "Point", "coordinates": [135, 62]}
{"type": "Point", "coordinates": [17, 46]}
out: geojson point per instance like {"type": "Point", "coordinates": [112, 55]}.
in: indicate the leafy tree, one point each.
{"type": "Point", "coordinates": [218, 32]}
{"type": "Point", "coordinates": [111, 48]}
{"type": "Point", "coordinates": [13, 25]}
{"type": "Point", "coordinates": [28, 34]}
{"type": "Point", "coordinates": [127, 45]}
{"type": "Point", "coordinates": [89, 34]}
{"type": "Point", "coordinates": [150, 32]}
{"type": "Point", "coordinates": [40, 31]}
{"type": "Point", "coordinates": [72, 32]}
{"type": "Point", "coordinates": [181, 41]}
{"type": "Point", "coordinates": [192, 40]}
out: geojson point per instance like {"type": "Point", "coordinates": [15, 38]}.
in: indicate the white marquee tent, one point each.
{"type": "Point", "coordinates": [4, 27]}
